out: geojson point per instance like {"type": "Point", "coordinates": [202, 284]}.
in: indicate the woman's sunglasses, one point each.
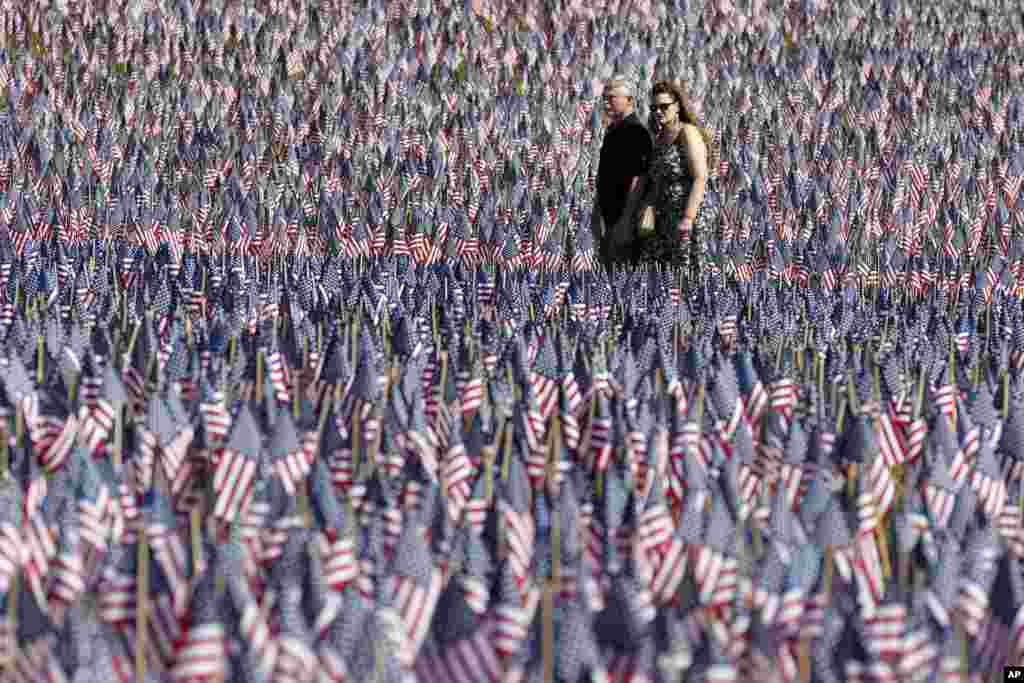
{"type": "Point", "coordinates": [663, 106]}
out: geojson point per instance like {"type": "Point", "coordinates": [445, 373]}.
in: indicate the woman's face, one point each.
{"type": "Point", "coordinates": [666, 109]}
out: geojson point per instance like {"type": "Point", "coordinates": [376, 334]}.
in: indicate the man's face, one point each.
{"type": "Point", "coordinates": [617, 104]}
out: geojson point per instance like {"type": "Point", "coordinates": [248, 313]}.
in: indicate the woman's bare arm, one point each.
{"type": "Point", "coordinates": [697, 154]}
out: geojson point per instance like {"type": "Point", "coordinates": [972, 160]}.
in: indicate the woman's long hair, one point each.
{"type": "Point", "coordinates": [686, 113]}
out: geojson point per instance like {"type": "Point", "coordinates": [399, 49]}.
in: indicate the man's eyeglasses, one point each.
{"type": "Point", "coordinates": [663, 106]}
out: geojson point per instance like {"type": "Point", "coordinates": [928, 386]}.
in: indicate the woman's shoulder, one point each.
{"type": "Point", "coordinates": [691, 132]}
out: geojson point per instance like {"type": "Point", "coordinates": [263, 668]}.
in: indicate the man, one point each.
{"type": "Point", "coordinates": [625, 155]}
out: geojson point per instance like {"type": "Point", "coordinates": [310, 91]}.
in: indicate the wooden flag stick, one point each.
{"type": "Point", "coordinates": [699, 405]}
{"type": "Point", "coordinates": [804, 646]}
{"type": "Point", "coordinates": [433, 315]}
{"type": "Point", "coordinates": [553, 453]}
{"type": "Point", "coordinates": [141, 606]}
{"type": "Point", "coordinates": [133, 338]}
{"type": "Point", "coordinates": [40, 350]}
{"type": "Point", "coordinates": [548, 642]}
{"type": "Point", "coordinates": [851, 480]}
{"type": "Point", "coordinates": [259, 375]}
{"type": "Point", "coordinates": [444, 374]}
{"type": "Point", "coordinates": [196, 532]}
{"type": "Point", "coordinates": [490, 453]}
{"type": "Point", "coordinates": [881, 536]}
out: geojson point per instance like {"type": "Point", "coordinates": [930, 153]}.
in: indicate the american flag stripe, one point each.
{"type": "Point", "coordinates": [53, 440]}
{"type": "Point", "coordinates": [707, 569]}
{"type": "Point", "coordinates": [340, 567]}
{"type": "Point", "coordinates": [292, 469]}
{"type": "Point", "coordinates": [163, 629]}
{"type": "Point", "coordinates": [601, 447]}
{"type": "Point", "coordinates": [884, 631]}
{"type": "Point", "coordinates": [416, 605]}
{"type": "Point", "coordinates": [545, 395]}
{"type": "Point", "coordinates": [12, 554]}
{"type": "Point", "coordinates": [519, 535]}
{"type": "Point", "coordinates": [202, 655]}
{"type": "Point", "coordinates": [919, 654]}
{"type": "Point", "coordinates": [868, 572]}
{"type": "Point", "coordinates": [457, 474]}
{"type": "Point", "coordinates": [670, 572]}
{"type": "Point", "coordinates": [232, 480]}
{"type": "Point", "coordinates": [892, 442]}
{"type": "Point", "coordinates": [727, 586]}
{"type": "Point", "coordinates": [655, 529]}
{"type": "Point", "coordinates": [512, 623]}
{"type": "Point", "coordinates": [169, 551]}
{"type": "Point", "coordinates": [117, 598]}
{"type": "Point", "coordinates": [68, 578]}
{"type": "Point", "coordinates": [472, 659]}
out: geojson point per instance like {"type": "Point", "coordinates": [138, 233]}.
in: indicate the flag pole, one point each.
{"type": "Point", "coordinates": [507, 455]}
{"type": "Point", "coordinates": [548, 643]}
{"type": "Point", "coordinates": [195, 531]}
{"type": "Point", "coordinates": [40, 351]}
{"type": "Point", "coordinates": [259, 375]}
{"type": "Point", "coordinates": [553, 452]}
{"type": "Point", "coordinates": [141, 605]}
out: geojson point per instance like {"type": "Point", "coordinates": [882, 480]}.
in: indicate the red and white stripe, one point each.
{"type": "Point", "coordinates": [292, 469]}
{"type": "Point", "coordinates": [457, 474]}
{"type": "Point", "coordinates": [416, 606]}
{"type": "Point", "coordinates": [232, 482]}
{"type": "Point", "coordinates": [203, 654]}
{"type": "Point", "coordinates": [470, 660]}
{"type": "Point", "coordinates": [340, 566]}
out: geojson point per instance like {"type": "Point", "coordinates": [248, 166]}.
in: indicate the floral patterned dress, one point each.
{"type": "Point", "coordinates": [671, 185]}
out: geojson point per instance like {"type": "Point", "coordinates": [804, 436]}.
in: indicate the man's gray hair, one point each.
{"type": "Point", "coordinates": [620, 84]}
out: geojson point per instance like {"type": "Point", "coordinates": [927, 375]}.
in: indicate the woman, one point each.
{"type": "Point", "coordinates": [676, 183]}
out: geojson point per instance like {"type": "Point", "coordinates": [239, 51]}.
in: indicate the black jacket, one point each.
{"type": "Point", "coordinates": [625, 154]}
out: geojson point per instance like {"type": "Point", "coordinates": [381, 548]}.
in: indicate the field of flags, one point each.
{"type": "Point", "coordinates": [308, 371]}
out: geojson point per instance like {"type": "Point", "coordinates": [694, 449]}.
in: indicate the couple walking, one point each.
{"type": "Point", "coordinates": [650, 188]}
